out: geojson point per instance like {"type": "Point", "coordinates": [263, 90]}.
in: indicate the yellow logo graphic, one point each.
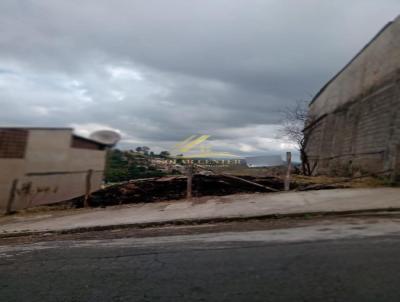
{"type": "Point", "coordinates": [187, 148]}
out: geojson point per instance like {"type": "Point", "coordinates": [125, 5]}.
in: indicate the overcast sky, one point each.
{"type": "Point", "coordinates": [161, 70]}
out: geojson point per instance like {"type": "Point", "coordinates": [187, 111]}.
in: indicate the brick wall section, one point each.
{"type": "Point", "coordinates": [81, 143]}
{"type": "Point", "coordinates": [13, 143]}
{"type": "Point", "coordinates": [361, 136]}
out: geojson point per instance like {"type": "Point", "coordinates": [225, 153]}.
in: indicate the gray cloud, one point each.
{"type": "Point", "coordinates": [161, 70]}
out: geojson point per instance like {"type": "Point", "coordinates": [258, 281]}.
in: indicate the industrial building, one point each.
{"type": "Point", "coordinates": [354, 122]}
{"type": "Point", "coordinates": [47, 165]}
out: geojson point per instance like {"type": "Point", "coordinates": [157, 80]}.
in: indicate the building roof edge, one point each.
{"type": "Point", "coordinates": [353, 59]}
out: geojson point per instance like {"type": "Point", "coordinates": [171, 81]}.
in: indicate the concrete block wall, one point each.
{"type": "Point", "coordinates": [362, 136]}
{"type": "Point", "coordinates": [374, 65]}
{"type": "Point", "coordinates": [356, 116]}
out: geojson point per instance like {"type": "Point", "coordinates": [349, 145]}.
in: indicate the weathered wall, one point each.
{"type": "Point", "coordinates": [48, 150]}
{"type": "Point", "coordinates": [51, 170]}
{"type": "Point", "coordinates": [358, 137]}
{"type": "Point", "coordinates": [375, 65]}
{"type": "Point", "coordinates": [10, 169]}
{"type": "Point", "coordinates": [40, 189]}
{"type": "Point", "coordinates": [357, 115]}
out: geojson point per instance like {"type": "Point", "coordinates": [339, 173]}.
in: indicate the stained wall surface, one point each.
{"type": "Point", "coordinates": [50, 171]}
{"type": "Point", "coordinates": [356, 117]}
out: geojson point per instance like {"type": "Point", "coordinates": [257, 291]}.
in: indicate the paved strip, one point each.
{"type": "Point", "coordinates": [322, 262]}
{"type": "Point", "coordinates": [206, 208]}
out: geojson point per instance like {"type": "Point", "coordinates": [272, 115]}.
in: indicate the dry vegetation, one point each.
{"type": "Point", "coordinates": [364, 182]}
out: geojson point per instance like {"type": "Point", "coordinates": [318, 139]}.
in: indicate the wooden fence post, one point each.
{"type": "Point", "coordinates": [88, 187]}
{"type": "Point", "coordinates": [189, 180]}
{"type": "Point", "coordinates": [289, 169]}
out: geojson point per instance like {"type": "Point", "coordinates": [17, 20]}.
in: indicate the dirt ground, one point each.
{"type": "Point", "coordinates": [262, 180]}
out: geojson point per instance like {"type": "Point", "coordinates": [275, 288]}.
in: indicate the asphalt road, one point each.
{"type": "Point", "coordinates": [360, 264]}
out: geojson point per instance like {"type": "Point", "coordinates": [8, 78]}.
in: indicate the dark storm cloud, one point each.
{"type": "Point", "coordinates": [162, 70]}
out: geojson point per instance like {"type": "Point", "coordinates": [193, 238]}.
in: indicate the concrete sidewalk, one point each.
{"type": "Point", "coordinates": [205, 208]}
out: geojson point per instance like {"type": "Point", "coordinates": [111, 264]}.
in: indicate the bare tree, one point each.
{"type": "Point", "coordinates": [294, 120]}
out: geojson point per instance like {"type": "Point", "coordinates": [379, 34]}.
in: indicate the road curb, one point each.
{"type": "Point", "coordinates": [199, 221]}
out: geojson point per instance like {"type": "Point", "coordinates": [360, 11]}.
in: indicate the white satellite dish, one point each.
{"type": "Point", "coordinates": [107, 137]}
